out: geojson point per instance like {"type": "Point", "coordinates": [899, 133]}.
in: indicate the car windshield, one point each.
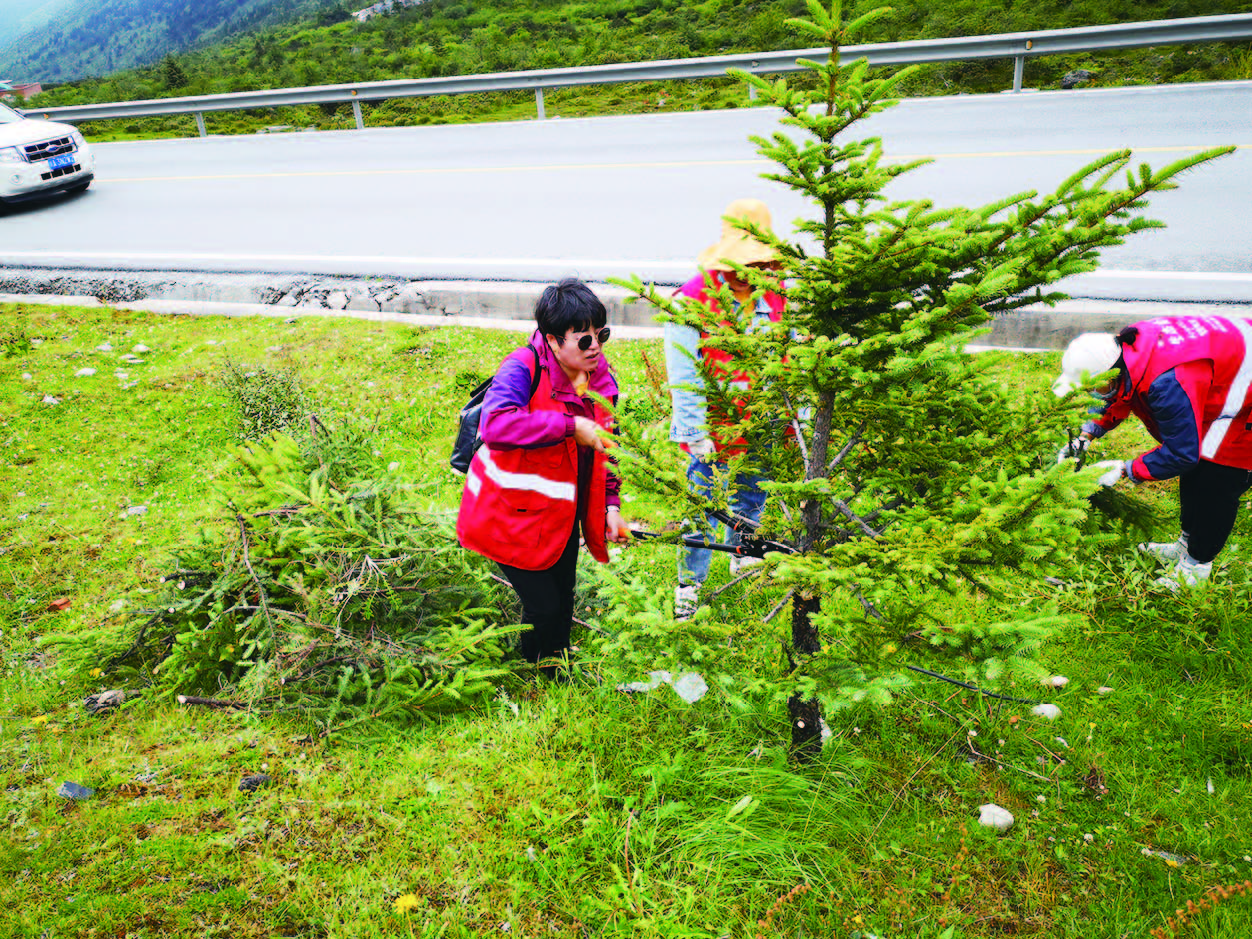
{"type": "Point", "coordinates": [8, 115]}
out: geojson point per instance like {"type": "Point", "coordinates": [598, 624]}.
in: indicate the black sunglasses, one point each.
{"type": "Point", "coordinates": [584, 342]}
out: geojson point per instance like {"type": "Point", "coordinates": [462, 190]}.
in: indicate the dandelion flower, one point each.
{"type": "Point", "coordinates": [407, 903]}
{"type": "Point", "coordinates": [39, 719]}
{"type": "Point", "coordinates": [96, 672]}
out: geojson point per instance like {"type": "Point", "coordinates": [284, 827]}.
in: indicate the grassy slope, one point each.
{"type": "Point", "coordinates": [445, 37]}
{"type": "Point", "coordinates": [583, 811]}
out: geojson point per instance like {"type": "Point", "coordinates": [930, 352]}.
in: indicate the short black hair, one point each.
{"type": "Point", "coordinates": [571, 304]}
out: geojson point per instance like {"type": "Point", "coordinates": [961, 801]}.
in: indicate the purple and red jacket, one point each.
{"type": "Point", "coordinates": [507, 422]}
{"type": "Point", "coordinates": [1188, 379]}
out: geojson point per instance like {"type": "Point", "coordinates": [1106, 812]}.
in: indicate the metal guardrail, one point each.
{"type": "Point", "coordinates": [1016, 46]}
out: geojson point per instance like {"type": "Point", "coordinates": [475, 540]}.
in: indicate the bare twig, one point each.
{"type": "Point", "coordinates": [247, 563]}
{"type": "Point", "coordinates": [739, 578]}
{"type": "Point", "coordinates": [778, 606]}
{"type": "Point", "coordinates": [909, 782]}
{"type": "Point", "coordinates": [855, 519]}
{"type": "Point", "coordinates": [996, 760]}
{"type": "Point", "coordinates": [867, 605]}
{"type": "Point", "coordinates": [847, 447]}
{"type": "Point", "coordinates": [795, 425]}
{"type": "Point", "coordinates": [214, 703]}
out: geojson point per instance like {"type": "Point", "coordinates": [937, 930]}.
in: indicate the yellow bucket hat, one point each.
{"type": "Point", "coordinates": [737, 245]}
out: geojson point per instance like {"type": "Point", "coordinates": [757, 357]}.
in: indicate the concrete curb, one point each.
{"type": "Point", "coordinates": [484, 304]}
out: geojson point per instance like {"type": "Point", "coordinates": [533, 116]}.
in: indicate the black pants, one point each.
{"type": "Point", "coordinates": [1210, 496]}
{"type": "Point", "coordinates": [547, 602]}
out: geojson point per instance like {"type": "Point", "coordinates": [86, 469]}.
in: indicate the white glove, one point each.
{"type": "Point", "coordinates": [702, 448]}
{"type": "Point", "coordinates": [1072, 450]}
{"type": "Point", "coordinates": [1114, 470]}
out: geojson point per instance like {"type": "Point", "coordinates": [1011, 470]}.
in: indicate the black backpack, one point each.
{"type": "Point", "coordinates": [467, 439]}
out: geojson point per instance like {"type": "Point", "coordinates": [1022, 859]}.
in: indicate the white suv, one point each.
{"type": "Point", "coordinates": [41, 157]}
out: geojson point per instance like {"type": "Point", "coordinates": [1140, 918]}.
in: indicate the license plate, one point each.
{"type": "Point", "coordinates": [65, 159]}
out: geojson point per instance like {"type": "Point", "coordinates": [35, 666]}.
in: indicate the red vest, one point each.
{"type": "Point", "coordinates": [704, 288]}
{"type": "Point", "coordinates": [1219, 391]}
{"type": "Point", "coordinates": [518, 505]}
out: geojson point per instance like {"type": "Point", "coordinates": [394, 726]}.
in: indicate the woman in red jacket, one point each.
{"type": "Point", "coordinates": [1188, 379]}
{"type": "Point", "coordinates": [542, 471]}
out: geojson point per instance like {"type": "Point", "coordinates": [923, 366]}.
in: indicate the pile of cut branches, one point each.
{"type": "Point", "coordinates": [326, 591]}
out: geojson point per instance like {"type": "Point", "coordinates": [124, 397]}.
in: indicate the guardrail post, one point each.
{"type": "Point", "coordinates": [539, 103]}
{"type": "Point", "coordinates": [356, 114]}
{"type": "Point", "coordinates": [200, 124]}
{"type": "Point", "coordinates": [1019, 64]}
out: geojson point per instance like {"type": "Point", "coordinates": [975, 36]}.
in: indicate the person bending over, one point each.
{"type": "Point", "coordinates": [1187, 378]}
{"type": "Point", "coordinates": [542, 472]}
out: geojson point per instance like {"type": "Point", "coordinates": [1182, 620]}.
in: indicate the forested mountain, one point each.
{"type": "Point", "coordinates": [56, 40]}
{"type": "Point", "coordinates": [453, 37]}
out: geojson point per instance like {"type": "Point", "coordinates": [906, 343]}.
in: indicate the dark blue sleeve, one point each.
{"type": "Point", "coordinates": [1175, 418]}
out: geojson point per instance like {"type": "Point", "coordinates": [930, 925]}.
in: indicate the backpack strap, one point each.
{"type": "Point", "coordinates": [534, 372]}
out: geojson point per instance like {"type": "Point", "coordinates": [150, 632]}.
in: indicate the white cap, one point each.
{"type": "Point", "coordinates": [1090, 354]}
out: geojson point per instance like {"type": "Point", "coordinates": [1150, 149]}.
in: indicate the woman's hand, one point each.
{"type": "Point", "coordinates": [615, 529]}
{"type": "Point", "coordinates": [587, 433]}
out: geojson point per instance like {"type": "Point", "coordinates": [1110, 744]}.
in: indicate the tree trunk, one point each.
{"type": "Point", "coordinates": [806, 729]}
{"type": "Point", "coordinates": [806, 716]}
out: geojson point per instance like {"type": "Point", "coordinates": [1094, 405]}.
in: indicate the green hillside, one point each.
{"type": "Point", "coordinates": [69, 39]}
{"type": "Point", "coordinates": [452, 37]}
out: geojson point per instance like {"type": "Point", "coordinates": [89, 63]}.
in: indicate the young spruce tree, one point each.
{"type": "Point", "coordinates": [901, 469]}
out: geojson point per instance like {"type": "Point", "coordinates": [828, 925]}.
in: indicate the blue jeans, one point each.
{"type": "Point", "coordinates": [748, 500]}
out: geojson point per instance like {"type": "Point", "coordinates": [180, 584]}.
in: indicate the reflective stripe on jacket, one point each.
{"type": "Point", "coordinates": [1188, 379]}
{"type": "Point", "coordinates": [691, 421]}
{"type": "Point", "coordinates": [519, 503]}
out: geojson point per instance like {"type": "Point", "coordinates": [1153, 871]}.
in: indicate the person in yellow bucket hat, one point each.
{"type": "Point", "coordinates": [694, 425]}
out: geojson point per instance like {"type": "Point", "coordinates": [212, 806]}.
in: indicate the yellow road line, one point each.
{"type": "Point", "coordinates": [673, 164]}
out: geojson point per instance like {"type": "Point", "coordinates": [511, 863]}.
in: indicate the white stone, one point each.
{"type": "Point", "coordinates": [1055, 681]}
{"type": "Point", "coordinates": [1049, 711]}
{"type": "Point", "coordinates": [139, 347]}
{"type": "Point", "coordinates": [27, 376]}
{"type": "Point", "coordinates": [49, 399]}
{"type": "Point", "coordinates": [392, 466]}
{"type": "Point", "coordinates": [1103, 689]}
{"type": "Point", "coordinates": [137, 510]}
{"type": "Point", "coordinates": [104, 347]}
{"type": "Point", "coordinates": [993, 816]}
{"type": "Point", "coordinates": [84, 373]}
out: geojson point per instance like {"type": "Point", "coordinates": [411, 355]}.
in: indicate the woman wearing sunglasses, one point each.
{"type": "Point", "coordinates": [542, 471]}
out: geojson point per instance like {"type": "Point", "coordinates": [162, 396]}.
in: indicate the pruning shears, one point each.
{"type": "Point", "coordinates": [750, 544]}
{"type": "Point", "coordinates": [1077, 449]}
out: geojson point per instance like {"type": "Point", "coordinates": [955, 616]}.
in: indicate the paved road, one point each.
{"type": "Point", "coordinates": [604, 196]}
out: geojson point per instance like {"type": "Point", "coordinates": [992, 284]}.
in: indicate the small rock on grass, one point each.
{"type": "Point", "coordinates": [993, 816]}
{"type": "Point", "coordinates": [1049, 711]}
{"type": "Point", "coordinates": [104, 701]}
{"type": "Point", "coordinates": [72, 790]}
{"type": "Point", "coordinates": [254, 781]}
{"type": "Point", "coordinates": [84, 373]}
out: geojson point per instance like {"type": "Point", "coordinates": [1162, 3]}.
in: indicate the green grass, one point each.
{"type": "Point", "coordinates": [561, 809]}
